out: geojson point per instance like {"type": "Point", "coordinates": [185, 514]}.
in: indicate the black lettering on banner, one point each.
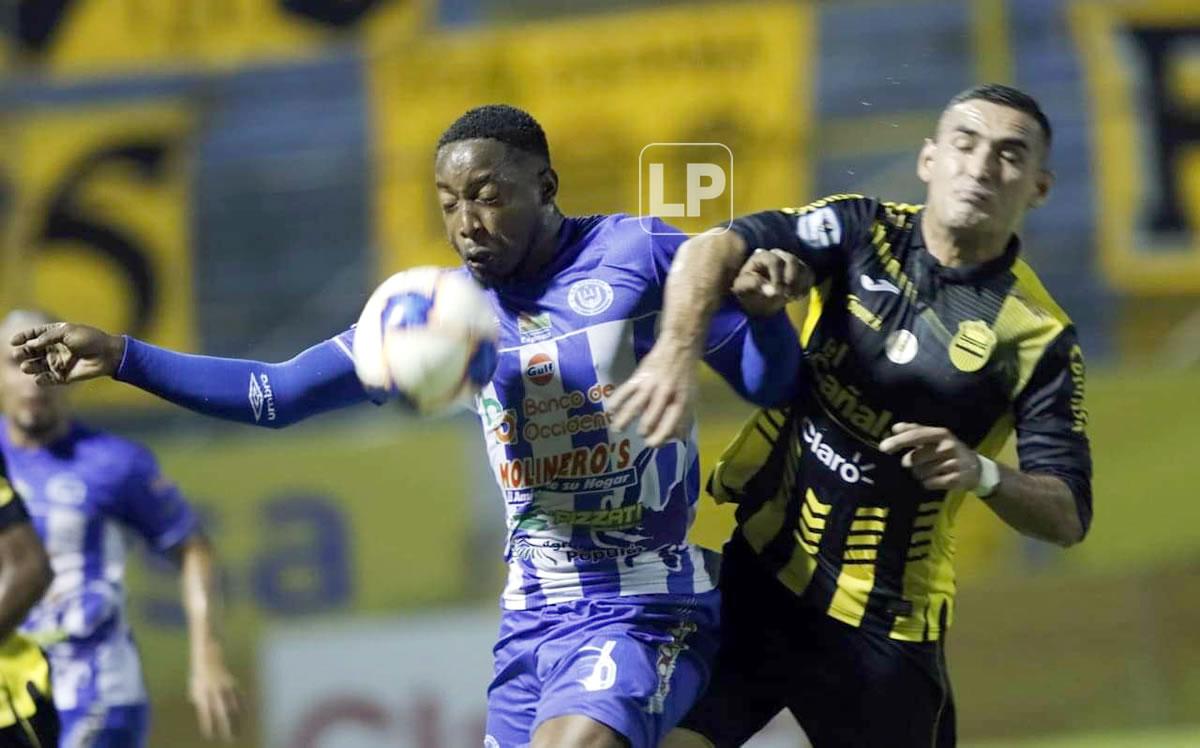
{"type": "Point", "coordinates": [1175, 128]}
{"type": "Point", "coordinates": [339, 13]}
{"type": "Point", "coordinates": [66, 220]}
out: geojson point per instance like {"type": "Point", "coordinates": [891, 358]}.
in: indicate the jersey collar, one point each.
{"type": "Point", "coordinates": [967, 273]}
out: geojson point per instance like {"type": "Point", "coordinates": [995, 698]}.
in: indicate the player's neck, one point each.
{"type": "Point", "coordinates": [545, 246]}
{"type": "Point", "coordinates": [958, 248]}
{"type": "Point", "coordinates": [28, 439]}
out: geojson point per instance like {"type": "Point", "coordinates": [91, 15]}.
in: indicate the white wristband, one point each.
{"type": "Point", "coordinates": [989, 477]}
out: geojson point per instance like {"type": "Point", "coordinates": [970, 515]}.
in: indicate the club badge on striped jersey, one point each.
{"type": "Point", "coordinates": [972, 345]}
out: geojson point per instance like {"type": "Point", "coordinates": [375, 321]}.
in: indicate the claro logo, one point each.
{"type": "Point", "coordinates": [849, 470]}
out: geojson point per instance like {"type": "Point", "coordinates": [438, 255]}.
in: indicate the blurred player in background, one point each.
{"type": "Point", "coordinates": [609, 616]}
{"type": "Point", "coordinates": [28, 718]}
{"type": "Point", "coordinates": [927, 340]}
{"type": "Point", "coordinates": [88, 492]}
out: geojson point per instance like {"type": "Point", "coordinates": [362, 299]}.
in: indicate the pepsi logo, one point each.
{"type": "Point", "coordinates": [540, 369]}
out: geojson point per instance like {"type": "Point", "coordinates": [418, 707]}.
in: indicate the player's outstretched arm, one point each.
{"type": "Point", "coordinates": [319, 379]}
{"type": "Point", "coordinates": [212, 688]}
{"type": "Point", "coordinates": [661, 391]}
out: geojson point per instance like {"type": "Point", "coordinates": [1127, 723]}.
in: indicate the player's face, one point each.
{"type": "Point", "coordinates": [492, 199]}
{"type": "Point", "coordinates": [33, 409]}
{"type": "Point", "coordinates": [985, 168]}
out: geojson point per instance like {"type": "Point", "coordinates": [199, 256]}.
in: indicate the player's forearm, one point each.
{"type": "Point", "coordinates": [25, 575]}
{"type": "Point", "coordinates": [201, 600]}
{"type": "Point", "coordinates": [701, 274]}
{"type": "Point", "coordinates": [761, 361]}
{"type": "Point", "coordinates": [320, 379]}
{"type": "Point", "coordinates": [1040, 506]}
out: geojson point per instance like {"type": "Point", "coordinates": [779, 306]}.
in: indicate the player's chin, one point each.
{"type": "Point", "coordinates": [483, 276]}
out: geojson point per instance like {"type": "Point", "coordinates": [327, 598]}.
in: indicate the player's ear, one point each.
{"type": "Point", "coordinates": [549, 181]}
{"type": "Point", "coordinates": [925, 160]}
{"type": "Point", "coordinates": [1045, 180]}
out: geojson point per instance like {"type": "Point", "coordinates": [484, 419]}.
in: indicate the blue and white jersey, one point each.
{"type": "Point", "coordinates": [591, 512]}
{"type": "Point", "coordinates": [90, 494]}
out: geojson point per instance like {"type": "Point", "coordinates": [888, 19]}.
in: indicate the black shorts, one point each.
{"type": "Point", "coordinates": [846, 686]}
{"type": "Point", "coordinates": [39, 731]}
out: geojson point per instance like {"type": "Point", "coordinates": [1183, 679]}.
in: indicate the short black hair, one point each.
{"type": "Point", "coordinates": [1010, 97]}
{"type": "Point", "coordinates": [509, 125]}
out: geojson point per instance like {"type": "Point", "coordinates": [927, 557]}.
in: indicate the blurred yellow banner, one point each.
{"type": "Point", "coordinates": [603, 87]}
{"type": "Point", "coordinates": [90, 37]}
{"type": "Point", "coordinates": [100, 233]}
{"type": "Point", "coordinates": [1143, 73]}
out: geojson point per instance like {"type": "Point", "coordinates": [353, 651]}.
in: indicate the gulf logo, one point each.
{"type": "Point", "coordinates": [540, 369]}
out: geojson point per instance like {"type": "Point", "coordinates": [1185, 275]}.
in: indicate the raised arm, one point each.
{"type": "Point", "coordinates": [317, 380]}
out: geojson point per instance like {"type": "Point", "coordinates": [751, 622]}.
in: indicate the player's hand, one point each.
{"type": "Point", "coordinates": [936, 457]}
{"type": "Point", "coordinates": [214, 693]}
{"type": "Point", "coordinates": [770, 279]}
{"type": "Point", "coordinates": [62, 353]}
{"type": "Point", "coordinates": [660, 394]}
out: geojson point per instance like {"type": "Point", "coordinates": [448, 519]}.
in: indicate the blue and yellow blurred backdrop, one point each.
{"type": "Point", "coordinates": [234, 176]}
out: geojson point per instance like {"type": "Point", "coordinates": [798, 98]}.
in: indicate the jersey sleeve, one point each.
{"type": "Point", "coordinates": [152, 504]}
{"type": "Point", "coordinates": [1051, 421]}
{"type": "Point", "coordinates": [819, 234]}
{"type": "Point", "coordinates": [315, 381]}
{"type": "Point", "coordinates": [12, 508]}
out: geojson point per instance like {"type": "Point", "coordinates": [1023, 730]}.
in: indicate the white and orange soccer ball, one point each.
{"type": "Point", "coordinates": [427, 336]}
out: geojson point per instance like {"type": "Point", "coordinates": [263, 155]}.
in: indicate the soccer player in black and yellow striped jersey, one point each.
{"type": "Point", "coordinates": [927, 342]}
{"type": "Point", "coordinates": [27, 715]}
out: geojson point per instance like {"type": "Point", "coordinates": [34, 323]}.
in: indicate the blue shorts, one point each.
{"type": "Point", "coordinates": [635, 664]}
{"type": "Point", "coordinates": [111, 727]}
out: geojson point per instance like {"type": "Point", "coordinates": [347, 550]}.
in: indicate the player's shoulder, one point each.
{"type": "Point", "coordinates": [620, 240]}
{"type": "Point", "coordinates": [839, 219]}
{"type": "Point", "coordinates": [624, 232]}
{"type": "Point", "coordinates": [1029, 291]}
{"type": "Point", "coordinates": [846, 203]}
{"type": "Point", "coordinates": [121, 455]}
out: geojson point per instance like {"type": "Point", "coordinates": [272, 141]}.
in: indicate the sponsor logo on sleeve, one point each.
{"type": "Point", "coordinates": [819, 228]}
{"type": "Point", "coordinates": [256, 398]}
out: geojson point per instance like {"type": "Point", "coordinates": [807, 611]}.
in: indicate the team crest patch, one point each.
{"type": "Point", "coordinates": [590, 297]}
{"type": "Point", "coordinates": [972, 345]}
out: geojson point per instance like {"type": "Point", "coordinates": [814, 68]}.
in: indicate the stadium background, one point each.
{"type": "Point", "coordinates": [233, 176]}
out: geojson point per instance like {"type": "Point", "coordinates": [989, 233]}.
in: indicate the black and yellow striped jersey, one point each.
{"type": "Point", "coordinates": [21, 661]}
{"type": "Point", "coordinates": [892, 335]}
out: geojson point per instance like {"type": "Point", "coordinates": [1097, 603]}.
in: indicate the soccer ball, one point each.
{"type": "Point", "coordinates": [427, 336]}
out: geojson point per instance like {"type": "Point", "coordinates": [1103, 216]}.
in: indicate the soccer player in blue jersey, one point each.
{"type": "Point", "coordinates": [609, 615]}
{"type": "Point", "coordinates": [89, 493]}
